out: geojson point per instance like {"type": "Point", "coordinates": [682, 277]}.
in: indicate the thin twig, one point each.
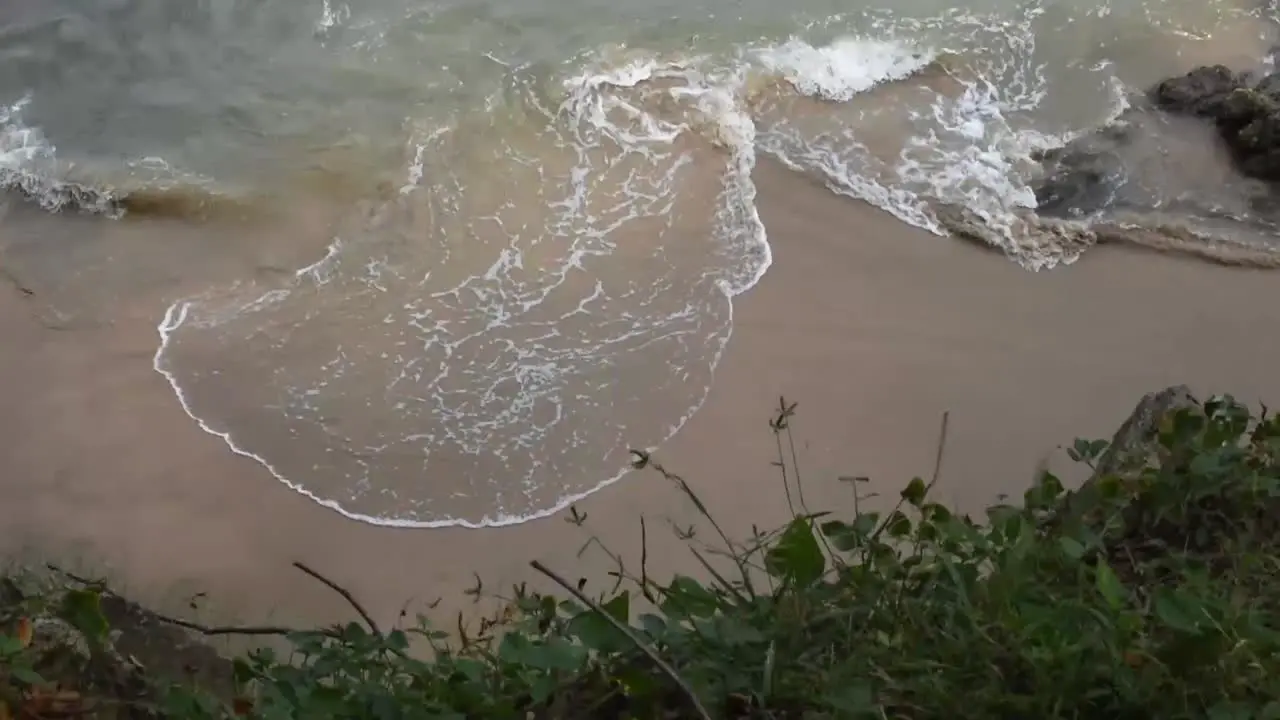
{"type": "Point", "coordinates": [631, 634]}
{"type": "Point", "coordinates": [724, 582]}
{"type": "Point", "coordinates": [209, 630]}
{"type": "Point", "coordinates": [795, 469]}
{"type": "Point", "coordinates": [702, 510]}
{"type": "Point", "coordinates": [373, 626]}
{"type": "Point", "coordinates": [937, 472]}
{"type": "Point", "coordinates": [8, 276]}
{"type": "Point", "coordinates": [942, 447]}
{"type": "Point", "coordinates": [247, 630]}
{"type": "Point", "coordinates": [644, 563]}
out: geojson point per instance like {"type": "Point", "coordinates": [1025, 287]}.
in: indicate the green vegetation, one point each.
{"type": "Point", "coordinates": [1152, 593]}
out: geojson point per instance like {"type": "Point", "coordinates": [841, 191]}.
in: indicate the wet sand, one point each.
{"type": "Point", "coordinates": [874, 328]}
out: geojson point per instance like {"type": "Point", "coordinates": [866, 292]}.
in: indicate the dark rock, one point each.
{"type": "Point", "coordinates": [1242, 107]}
{"type": "Point", "coordinates": [1135, 441]}
{"type": "Point", "coordinates": [1248, 119]}
{"type": "Point", "coordinates": [1131, 449]}
{"type": "Point", "coordinates": [1269, 86]}
{"type": "Point", "coordinates": [1083, 176]}
{"type": "Point", "coordinates": [1080, 185]}
{"type": "Point", "coordinates": [1200, 92]}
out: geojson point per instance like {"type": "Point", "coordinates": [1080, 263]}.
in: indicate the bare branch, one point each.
{"type": "Point", "coordinates": [942, 447]}
{"type": "Point", "coordinates": [210, 630]}
{"type": "Point", "coordinates": [631, 634]}
{"type": "Point", "coordinates": [373, 626]}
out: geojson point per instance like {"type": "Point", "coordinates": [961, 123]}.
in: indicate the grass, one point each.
{"type": "Point", "coordinates": [1153, 593]}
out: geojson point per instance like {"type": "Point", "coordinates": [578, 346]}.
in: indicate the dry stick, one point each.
{"type": "Point", "coordinates": [344, 593]}
{"type": "Point", "coordinates": [702, 509]}
{"type": "Point", "coordinates": [631, 634]}
{"type": "Point", "coordinates": [942, 447]}
{"type": "Point", "coordinates": [197, 627]}
{"type": "Point", "coordinates": [937, 471]}
{"type": "Point", "coordinates": [644, 563]}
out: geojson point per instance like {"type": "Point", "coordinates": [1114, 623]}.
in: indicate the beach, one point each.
{"type": "Point", "coordinates": [873, 327]}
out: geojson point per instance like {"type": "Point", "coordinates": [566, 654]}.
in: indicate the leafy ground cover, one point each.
{"type": "Point", "coordinates": [1153, 592]}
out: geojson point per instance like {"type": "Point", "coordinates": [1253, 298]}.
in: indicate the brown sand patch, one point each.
{"type": "Point", "coordinates": [874, 328]}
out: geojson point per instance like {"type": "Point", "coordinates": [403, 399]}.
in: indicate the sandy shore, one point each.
{"type": "Point", "coordinates": [873, 328]}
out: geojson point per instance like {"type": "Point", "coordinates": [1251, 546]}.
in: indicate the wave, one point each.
{"type": "Point", "coordinates": [454, 357]}
{"type": "Point", "coordinates": [601, 224]}
{"type": "Point", "coordinates": [29, 166]}
{"type": "Point", "coordinates": [149, 188]}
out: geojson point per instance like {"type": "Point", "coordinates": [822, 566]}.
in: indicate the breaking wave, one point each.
{"type": "Point", "coordinates": [454, 358]}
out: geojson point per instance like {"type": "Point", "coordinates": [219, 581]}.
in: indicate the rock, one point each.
{"type": "Point", "coordinates": [1269, 86]}
{"type": "Point", "coordinates": [1134, 442]}
{"type": "Point", "coordinates": [1241, 107]}
{"type": "Point", "coordinates": [1248, 118]}
{"type": "Point", "coordinates": [1200, 92]}
{"type": "Point", "coordinates": [1082, 177]}
{"type": "Point", "coordinates": [1049, 241]}
{"type": "Point", "coordinates": [1130, 450]}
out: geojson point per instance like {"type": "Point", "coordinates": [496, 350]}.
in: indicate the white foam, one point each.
{"type": "Point", "coordinates": [625, 121]}
{"type": "Point", "coordinates": [847, 67]}
{"type": "Point", "coordinates": [29, 164]}
{"type": "Point", "coordinates": [331, 17]}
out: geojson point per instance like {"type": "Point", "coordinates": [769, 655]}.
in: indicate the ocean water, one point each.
{"type": "Point", "coordinates": [545, 207]}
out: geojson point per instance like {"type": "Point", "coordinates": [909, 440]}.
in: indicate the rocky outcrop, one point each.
{"type": "Point", "coordinates": [1247, 114]}
{"type": "Point", "coordinates": [1134, 442]}
{"type": "Point", "coordinates": [1083, 176]}
{"type": "Point", "coordinates": [1202, 91]}
{"type": "Point", "coordinates": [1130, 449]}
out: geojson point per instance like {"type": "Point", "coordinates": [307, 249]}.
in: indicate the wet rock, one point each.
{"type": "Point", "coordinates": [1241, 108]}
{"type": "Point", "coordinates": [1248, 118]}
{"type": "Point", "coordinates": [1084, 176]}
{"type": "Point", "coordinates": [1269, 86]}
{"type": "Point", "coordinates": [1079, 184]}
{"type": "Point", "coordinates": [1200, 92]}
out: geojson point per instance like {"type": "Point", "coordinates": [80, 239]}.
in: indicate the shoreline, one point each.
{"type": "Point", "coordinates": [875, 333]}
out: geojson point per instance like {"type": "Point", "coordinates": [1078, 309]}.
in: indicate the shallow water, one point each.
{"type": "Point", "coordinates": [536, 215]}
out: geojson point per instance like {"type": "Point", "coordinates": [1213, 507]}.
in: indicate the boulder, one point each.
{"type": "Point", "coordinates": [1248, 118]}
{"type": "Point", "coordinates": [1131, 448]}
{"type": "Point", "coordinates": [1200, 92]}
{"type": "Point", "coordinates": [1083, 176]}
{"type": "Point", "coordinates": [1134, 442]}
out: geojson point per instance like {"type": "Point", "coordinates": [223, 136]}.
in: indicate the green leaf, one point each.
{"type": "Point", "coordinates": [397, 640]}
{"type": "Point", "coordinates": [241, 671]}
{"type": "Point", "coordinates": [1112, 590]}
{"type": "Point", "coordinates": [733, 630]}
{"type": "Point", "coordinates": [558, 654]}
{"type": "Point", "coordinates": [845, 536]}
{"type": "Point", "coordinates": [83, 609]}
{"type": "Point", "coordinates": [26, 675]}
{"type": "Point", "coordinates": [10, 645]}
{"type": "Point", "coordinates": [852, 700]}
{"type": "Point", "coordinates": [686, 597]}
{"type": "Point", "coordinates": [1071, 547]}
{"type": "Point", "coordinates": [619, 607]}
{"type": "Point", "coordinates": [654, 625]}
{"type": "Point", "coordinates": [915, 492]}
{"type": "Point", "coordinates": [898, 525]}
{"type": "Point", "coordinates": [797, 556]}
{"type": "Point", "coordinates": [472, 669]}
{"type": "Point", "coordinates": [1230, 711]}
{"type": "Point", "coordinates": [1176, 612]}
{"type": "Point", "coordinates": [596, 633]}
{"type": "Point", "coordinates": [936, 513]}
{"type": "Point", "coordinates": [866, 523]}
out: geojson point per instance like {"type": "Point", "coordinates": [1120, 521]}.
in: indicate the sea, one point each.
{"type": "Point", "coordinates": [538, 213]}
